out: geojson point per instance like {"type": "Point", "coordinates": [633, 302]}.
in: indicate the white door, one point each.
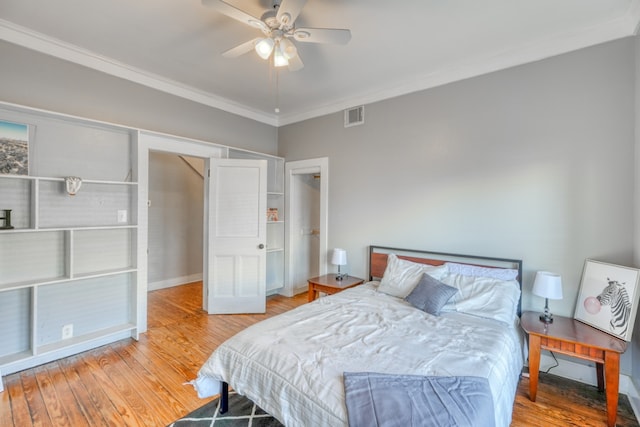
{"type": "Point", "coordinates": [236, 264]}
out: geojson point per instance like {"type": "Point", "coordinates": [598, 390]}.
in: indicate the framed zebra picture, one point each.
{"type": "Point", "coordinates": [608, 298]}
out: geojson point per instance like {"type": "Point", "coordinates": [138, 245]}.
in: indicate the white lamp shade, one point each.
{"type": "Point", "coordinates": [548, 285]}
{"type": "Point", "coordinates": [288, 49]}
{"type": "Point", "coordinates": [264, 48]}
{"type": "Point", "coordinates": [279, 59]}
{"type": "Point", "coordinates": [339, 257]}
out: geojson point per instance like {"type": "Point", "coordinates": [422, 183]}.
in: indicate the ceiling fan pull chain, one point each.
{"type": "Point", "coordinates": [277, 109]}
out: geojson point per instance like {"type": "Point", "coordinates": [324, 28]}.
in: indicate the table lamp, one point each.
{"type": "Point", "coordinates": [547, 285]}
{"type": "Point", "coordinates": [339, 258]}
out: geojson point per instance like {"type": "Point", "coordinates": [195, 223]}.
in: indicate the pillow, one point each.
{"type": "Point", "coordinates": [474, 270]}
{"type": "Point", "coordinates": [430, 295]}
{"type": "Point", "coordinates": [485, 296]}
{"type": "Point", "coordinates": [401, 276]}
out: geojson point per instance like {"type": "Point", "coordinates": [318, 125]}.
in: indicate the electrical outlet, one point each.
{"type": "Point", "coordinates": [122, 216]}
{"type": "Point", "coordinates": [67, 331]}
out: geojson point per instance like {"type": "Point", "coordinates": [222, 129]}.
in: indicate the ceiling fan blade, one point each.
{"type": "Point", "coordinates": [295, 63]}
{"type": "Point", "coordinates": [322, 35]}
{"type": "Point", "coordinates": [289, 10]}
{"type": "Point", "coordinates": [237, 14]}
{"type": "Point", "coordinates": [241, 49]}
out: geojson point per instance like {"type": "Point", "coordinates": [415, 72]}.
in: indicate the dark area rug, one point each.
{"type": "Point", "coordinates": [242, 412]}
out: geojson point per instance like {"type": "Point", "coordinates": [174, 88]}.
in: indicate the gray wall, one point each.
{"type": "Point", "coordinates": [176, 192]}
{"type": "Point", "coordinates": [534, 162]}
{"type": "Point", "coordinates": [36, 80]}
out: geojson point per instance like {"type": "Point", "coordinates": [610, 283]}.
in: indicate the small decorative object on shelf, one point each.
{"type": "Point", "coordinates": [73, 184]}
{"type": "Point", "coordinates": [272, 214]}
{"type": "Point", "coordinates": [6, 220]}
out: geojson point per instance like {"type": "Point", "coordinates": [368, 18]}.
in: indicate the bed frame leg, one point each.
{"type": "Point", "coordinates": [224, 398]}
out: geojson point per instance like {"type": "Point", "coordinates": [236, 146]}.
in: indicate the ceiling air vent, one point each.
{"type": "Point", "coordinates": [354, 116]}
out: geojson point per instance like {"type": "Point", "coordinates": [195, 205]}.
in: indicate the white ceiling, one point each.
{"type": "Point", "coordinates": [396, 47]}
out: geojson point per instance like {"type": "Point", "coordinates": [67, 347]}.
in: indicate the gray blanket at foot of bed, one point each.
{"type": "Point", "coordinates": [411, 400]}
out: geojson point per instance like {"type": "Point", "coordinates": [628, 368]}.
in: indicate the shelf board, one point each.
{"type": "Point", "coordinates": [275, 222]}
{"type": "Point", "coordinates": [89, 227]}
{"type": "Point", "coordinates": [47, 178]}
{"type": "Point", "coordinates": [275, 250]}
{"type": "Point", "coordinates": [47, 348]}
{"type": "Point", "coordinates": [104, 273]}
{"type": "Point", "coordinates": [53, 229]}
{"type": "Point", "coordinates": [274, 193]}
{"type": "Point", "coordinates": [64, 279]}
{"type": "Point", "coordinates": [89, 181]}
{"type": "Point", "coordinates": [32, 283]}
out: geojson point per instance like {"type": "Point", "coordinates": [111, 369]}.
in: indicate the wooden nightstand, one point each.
{"type": "Point", "coordinates": [574, 338]}
{"type": "Point", "coordinates": [329, 285]}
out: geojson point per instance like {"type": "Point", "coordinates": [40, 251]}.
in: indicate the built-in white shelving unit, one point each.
{"type": "Point", "coordinates": [70, 278]}
{"type": "Point", "coordinates": [68, 270]}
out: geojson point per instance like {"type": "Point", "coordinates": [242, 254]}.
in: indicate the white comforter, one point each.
{"type": "Point", "coordinates": [291, 365]}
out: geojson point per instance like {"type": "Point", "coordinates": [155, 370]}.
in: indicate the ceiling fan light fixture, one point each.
{"type": "Point", "coordinates": [264, 47]}
{"type": "Point", "coordinates": [279, 59]}
{"type": "Point", "coordinates": [288, 49]}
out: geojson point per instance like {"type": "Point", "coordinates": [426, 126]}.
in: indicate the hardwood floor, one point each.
{"type": "Point", "coordinates": [140, 383]}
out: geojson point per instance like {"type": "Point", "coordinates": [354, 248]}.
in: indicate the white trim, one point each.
{"type": "Point", "coordinates": [42, 43]}
{"type": "Point", "coordinates": [473, 67]}
{"type": "Point", "coordinates": [30, 362]}
{"type": "Point", "coordinates": [175, 281]}
{"type": "Point", "coordinates": [1, 382]}
{"type": "Point", "coordinates": [625, 26]}
{"type": "Point", "coordinates": [633, 395]}
{"type": "Point", "coordinates": [149, 141]}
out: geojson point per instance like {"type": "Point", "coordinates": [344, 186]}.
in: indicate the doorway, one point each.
{"type": "Point", "coordinates": [306, 189]}
{"type": "Point", "coordinates": [176, 207]}
{"type": "Point", "coordinates": [147, 143]}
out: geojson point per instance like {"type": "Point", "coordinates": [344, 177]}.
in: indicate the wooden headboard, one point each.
{"type": "Point", "coordinates": [378, 261]}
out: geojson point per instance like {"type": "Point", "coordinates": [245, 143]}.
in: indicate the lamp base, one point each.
{"type": "Point", "coordinates": [339, 276]}
{"type": "Point", "coordinates": [546, 318]}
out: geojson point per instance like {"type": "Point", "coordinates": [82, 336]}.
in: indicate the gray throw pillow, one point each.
{"type": "Point", "coordinates": [430, 295]}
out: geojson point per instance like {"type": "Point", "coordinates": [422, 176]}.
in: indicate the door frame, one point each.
{"type": "Point", "coordinates": [146, 142]}
{"type": "Point", "coordinates": [319, 165]}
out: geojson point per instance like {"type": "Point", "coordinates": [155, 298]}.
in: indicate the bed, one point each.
{"type": "Point", "coordinates": [304, 366]}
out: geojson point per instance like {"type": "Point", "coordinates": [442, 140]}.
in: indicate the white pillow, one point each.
{"type": "Point", "coordinates": [401, 276]}
{"type": "Point", "coordinates": [474, 270]}
{"type": "Point", "coordinates": [484, 296]}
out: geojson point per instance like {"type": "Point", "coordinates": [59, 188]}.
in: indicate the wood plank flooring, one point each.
{"type": "Point", "coordinates": [140, 383]}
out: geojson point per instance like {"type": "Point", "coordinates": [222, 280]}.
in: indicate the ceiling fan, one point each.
{"type": "Point", "coordinates": [278, 27]}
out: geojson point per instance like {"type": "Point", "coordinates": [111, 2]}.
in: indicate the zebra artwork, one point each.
{"type": "Point", "coordinates": [615, 295]}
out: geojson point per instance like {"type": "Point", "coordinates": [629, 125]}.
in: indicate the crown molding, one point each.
{"type": "Point", "coordinates": [625, 26]}
{"type": "Point", "coordinates": [42, 43]}
{"type": "Point", "coordinates": [622, 27]}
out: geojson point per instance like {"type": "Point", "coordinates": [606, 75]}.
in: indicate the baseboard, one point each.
{"type": "Point", "coordinates": [175, 281]}
{"type": "Point", "coordinates": [633, 395]}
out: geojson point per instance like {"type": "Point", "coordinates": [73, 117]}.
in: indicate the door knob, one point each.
{"type": "Point", "coordinates": [261, 246]}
